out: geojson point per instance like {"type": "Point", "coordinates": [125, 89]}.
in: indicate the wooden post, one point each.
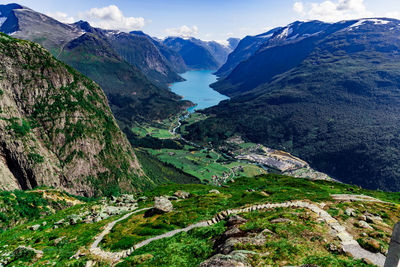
{"type": "Point", "coordinates": [393, 256]}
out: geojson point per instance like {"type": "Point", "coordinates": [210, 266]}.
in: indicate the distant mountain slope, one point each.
{"type": "Point", "coordinates": [331, 98]}
{"type": "Point", "coordinates": [173, 58]}
{"type": "Point", "coordinates": [56, 128]}
{"type": "Point", "coordinates": [132, 97]}
{"type": "Point", "coordinates": [199, 54]}
{"type": "Point", "coordinates": [251, 45]}
{"type": "Point", "coordinates": [25, 23]}
{"type": "Point", "coordinates": [139, 51]}
{"type": "Point", "coordinates": [94, 52]}
{"type": "Point", "coordinates": [246, 47]}
{"type": "Point", "coordinates": [233, 43]}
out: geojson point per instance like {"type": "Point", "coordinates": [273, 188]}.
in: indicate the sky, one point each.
{"type": "Point", "coordinates": [208, 19]}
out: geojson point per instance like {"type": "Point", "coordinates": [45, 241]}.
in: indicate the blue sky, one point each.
{"type": "Point", "coordinates": [208, 19]}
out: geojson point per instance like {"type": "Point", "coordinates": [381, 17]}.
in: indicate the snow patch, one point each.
{"type": "Point", "coordinates": [265, 36]}
{"type": "Point", "coordinates": [285, 33]}
{"type": "Point", "coordinates": [2, 20]}
{"type": "Point", "coordinates": [293, 37]}
{"type": "Point", "coordinates": [374, 21]}
{"type": "Point", "coordinates": [222, 42]}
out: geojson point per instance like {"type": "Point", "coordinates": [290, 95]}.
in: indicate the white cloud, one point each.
{"type": "Point", "coordinates": [183, 31]}
{"type": "Point", "coordinates": [60, 16]}
{"type": "Point", "coordinates": [332, 10]}
{"type": "Point", "coordinates": [112, 18]}
{"type": "Point", "coordinates": [298, 7]}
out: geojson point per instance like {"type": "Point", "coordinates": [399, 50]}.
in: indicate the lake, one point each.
{"type": "Point", "coordinates": [197, 89]}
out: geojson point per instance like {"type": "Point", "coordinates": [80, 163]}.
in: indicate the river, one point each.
{"type": "Point", "coordinates": [197, 89]}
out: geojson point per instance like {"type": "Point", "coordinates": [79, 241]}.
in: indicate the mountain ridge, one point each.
{"type": "Point", "coordinates": [57, 128]}
{"type": "Point", "coordinates": [345, 128]}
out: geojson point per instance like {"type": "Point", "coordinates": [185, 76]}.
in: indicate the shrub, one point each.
{"type": "Point", "coordinates": [19, 129]}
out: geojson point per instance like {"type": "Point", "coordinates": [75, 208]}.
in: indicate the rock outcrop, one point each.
{"type": "Point", "coordinates": [162, 205]}
{"type": "Point", "coordinates": [56, 128]}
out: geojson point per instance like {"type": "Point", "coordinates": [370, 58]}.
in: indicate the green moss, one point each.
{"type": "Point", "coordinates": [35, 158]}
{"type": "Point", "coordinates": [20, 128]}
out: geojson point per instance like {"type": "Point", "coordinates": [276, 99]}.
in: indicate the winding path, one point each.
{"type": "Point", "coordinates": [110, 256]}
{"type": "Point", "coordinates": [350, 245]}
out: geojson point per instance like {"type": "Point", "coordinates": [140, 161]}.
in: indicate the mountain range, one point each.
{"type": "Point", "coordinates": [198, 54]}
{"type": "Point", "coordinates": [133, 68]}
{"type": "Point", "coordinates": [327, 92]}
{"type": "Point", "coordinates": [101, 166]}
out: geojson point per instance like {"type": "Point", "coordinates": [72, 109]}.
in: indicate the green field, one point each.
{"type": "Point", "coordinates": [205, 163]}
{"type": "Point", "coordinates": [160, 133]}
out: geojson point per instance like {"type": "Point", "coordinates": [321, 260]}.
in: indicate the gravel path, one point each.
{"type": "Point", "coordinates": [364, 198]}
{"type": "Point", "coordinates": [170, 234]}
{"type": "Point", "coordinates": [110, 256]}
{"type": "Point", "coordinates": [350, 245]}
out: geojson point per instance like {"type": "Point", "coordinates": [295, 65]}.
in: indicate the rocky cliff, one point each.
{"type": "Point", "coordinates": [56, 128]}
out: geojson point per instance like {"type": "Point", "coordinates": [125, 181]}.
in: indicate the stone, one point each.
{"type": "Point", "coordinates": [182, 194]}
{"type": "Point", "coordinates": [350, 212]}
{"type": "Point", "coordinates": [141, 199]}
{"type": "Point", "coordinates": [128, 198]}
{"type": "Point", "coordinates": [220, 260]}
{"type": "Point", "coordinates": [162, 204]}
{"type": "Point", "coordinates": [229, 245]}
{"type": "Point", "coordinates": [214, 191]}
{"type": "Point", "coordinates": [110, 210]}
{"type": "Point", "coordinates": [281, 220]}
{"type": "Point", "coordinates": [73, 219]}
{"type": "Point", "coordinates": [362, 218]}
{"type": "Point", "coordinates": [35, 227]}
{"type": "Point", "coordinates": [364, 224]}
{"type": "Point", "coordinates": [235, 220]}
{"type": "Point", "coordinates": [58, 240]}
{"type": "Point", "coordinates": [60, 222]}
{"type": "Point", "coordinates": [373, 219]}
{"type": "Point", "coordinates": [44, 223]}
{"type": "Point", "coordinates": [233, 232]}
{"type": "Point", "coordinates": [335, 248]}
{"type": "Point", "coordinates": [267, 232]}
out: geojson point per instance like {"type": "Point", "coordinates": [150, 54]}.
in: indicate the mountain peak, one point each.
{"type": "Point", "coordinates": [6, 9]}
{"type": "Point", "coordinates": [84, 25]}
{"type": "Point", "coordinates": [141, 33]}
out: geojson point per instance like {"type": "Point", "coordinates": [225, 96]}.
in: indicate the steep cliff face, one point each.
{"type": "Point", "coordinates": [56, 128]}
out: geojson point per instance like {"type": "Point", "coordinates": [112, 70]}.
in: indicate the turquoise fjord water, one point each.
{"type": "Point", "coordinates": [197, 89]}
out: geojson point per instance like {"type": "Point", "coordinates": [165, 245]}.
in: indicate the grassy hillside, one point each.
{"type": "Point", "coordinates": [296, 238]}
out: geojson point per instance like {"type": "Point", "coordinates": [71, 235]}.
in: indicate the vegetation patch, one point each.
{"type": "Point", "coordinates": [20, 127]}
{"type": "Point", "coordinates": [35, 158]}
